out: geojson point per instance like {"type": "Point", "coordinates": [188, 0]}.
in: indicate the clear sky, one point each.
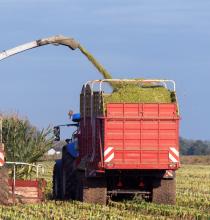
{"type": "Point", "coordinates": [135, 38]}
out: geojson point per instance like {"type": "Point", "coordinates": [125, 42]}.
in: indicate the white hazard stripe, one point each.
{"type": "Point", "coordinates": [173, 154]}
{"type": "Point", "coordinates": [172, 158]}
{"type": "Point", "coordinates": [175, 151]}
{"type": "Point", "coordinates": [108, 159]}
{"type": "Point", "coordinates": [108, 154]}
{"type": "Point", "coordinates": [107, 151]}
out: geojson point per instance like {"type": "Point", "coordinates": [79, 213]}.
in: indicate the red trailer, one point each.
{"type": "Point", "coordinates": [125, 149]}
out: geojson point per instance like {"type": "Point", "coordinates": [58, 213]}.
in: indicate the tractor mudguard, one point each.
{"type": "Point", "coordinates": [72, 149]}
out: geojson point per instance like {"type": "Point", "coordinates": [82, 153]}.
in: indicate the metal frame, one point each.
{"type": "Point", "coordinates": [26, 164]}
{"type": "Point", "coordinates": [38, 166]}
{"type": "Point", "coordinates": [14, 172]}
{"type": "Point", "coordinates": [91, 83]}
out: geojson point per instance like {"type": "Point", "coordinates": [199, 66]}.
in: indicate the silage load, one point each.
{"type": "Point", "coordinates": [131, 92]}
{"type": "Point", "coordinates": [138, 94]}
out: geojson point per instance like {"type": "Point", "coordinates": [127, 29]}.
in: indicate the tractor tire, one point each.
{"type": "Point", "coordinates": [4, 186]}
{"type": "Point", "coordinates": [69, 176]}
{"type": "Point", "coordinates": [91, 190]}
{"type": "Point", "coordinates": [164, 191]}
{"type": "Point", "coordinates": [57, 187]}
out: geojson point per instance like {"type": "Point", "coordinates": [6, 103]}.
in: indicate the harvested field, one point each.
{"type": "Point", "coordinates": [193, 202]}
{"type": "Point", "coordinates": [197, 160]}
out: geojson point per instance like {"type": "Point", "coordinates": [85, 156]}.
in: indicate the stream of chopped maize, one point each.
{"type": "Point", "coordinates": [130, 92]}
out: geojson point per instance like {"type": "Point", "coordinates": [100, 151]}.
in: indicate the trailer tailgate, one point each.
{"type": "Point", "coordinates": [141, 136]}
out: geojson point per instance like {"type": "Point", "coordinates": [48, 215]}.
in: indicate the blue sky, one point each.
{"type": "Point", "coordinates": [135, 38]}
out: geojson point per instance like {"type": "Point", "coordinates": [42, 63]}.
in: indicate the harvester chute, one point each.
{"type": "Point", "coordinates": [55, 40]}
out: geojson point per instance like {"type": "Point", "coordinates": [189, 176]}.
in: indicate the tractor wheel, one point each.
{"type": "Point", "coordinates": [164, 191]}
{"type": "Point", "coordinates": [69, 176]}
{"type": "Point", "coordinates": [56, 183]}
{"type": "Point", "coordinates": [91, 190]}
{"type": "Point", "coordinates": [4, 187]}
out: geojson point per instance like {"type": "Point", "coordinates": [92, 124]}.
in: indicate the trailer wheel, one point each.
{"type": "Point", "coordinates": [164, 191]}
{"type": "Point", "coordinates": [69, 175]}
{"type": "Point", "coordinates": [91, 190]}
{"type": "Point", "coordinates": [56, 182]}
{"type": "Point", "coordinates": [4, 187]}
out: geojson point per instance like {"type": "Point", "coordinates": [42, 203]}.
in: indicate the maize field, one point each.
{"type": "Point", "coordinates": [193, 202]}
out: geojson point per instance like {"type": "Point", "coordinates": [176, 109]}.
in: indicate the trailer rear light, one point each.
{"type": "Point", "coordinates": [109, 165]}
{"type": "Point", "coordinates": [119, 184]}
{"type": "Point", "coordinates": [173, 165]}
{"type": "Point", "coordinates": [141, 184]}
{"type": "Point", "coordinates": [100, 171]}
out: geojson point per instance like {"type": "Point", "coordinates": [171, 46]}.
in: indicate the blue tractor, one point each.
{"type": "Point", "coordinates": [64, 171]}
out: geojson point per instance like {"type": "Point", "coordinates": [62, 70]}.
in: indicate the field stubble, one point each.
{"type": "Point", "coordinates": [193, 202]}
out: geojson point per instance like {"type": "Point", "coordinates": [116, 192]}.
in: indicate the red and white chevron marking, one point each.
{"type": "Point", "coordinates": [108, 154]}
{"type": "Point", "coordinates": [1, 159]}
{"type": "Point", "coordinates": [173, 155]}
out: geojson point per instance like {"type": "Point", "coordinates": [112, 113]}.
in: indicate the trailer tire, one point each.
{"type": "Point", "coordinates": [164, 191]}
{"type": "Point", "coordinates": [91, 190]}
{"type": "Point", "coordinates": [4, 189]}
{"type": "Point", "coordinates": [56, 183]}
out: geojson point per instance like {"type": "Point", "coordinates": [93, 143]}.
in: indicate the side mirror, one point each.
{"type": "Point", "coordinates": [56, 131]}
